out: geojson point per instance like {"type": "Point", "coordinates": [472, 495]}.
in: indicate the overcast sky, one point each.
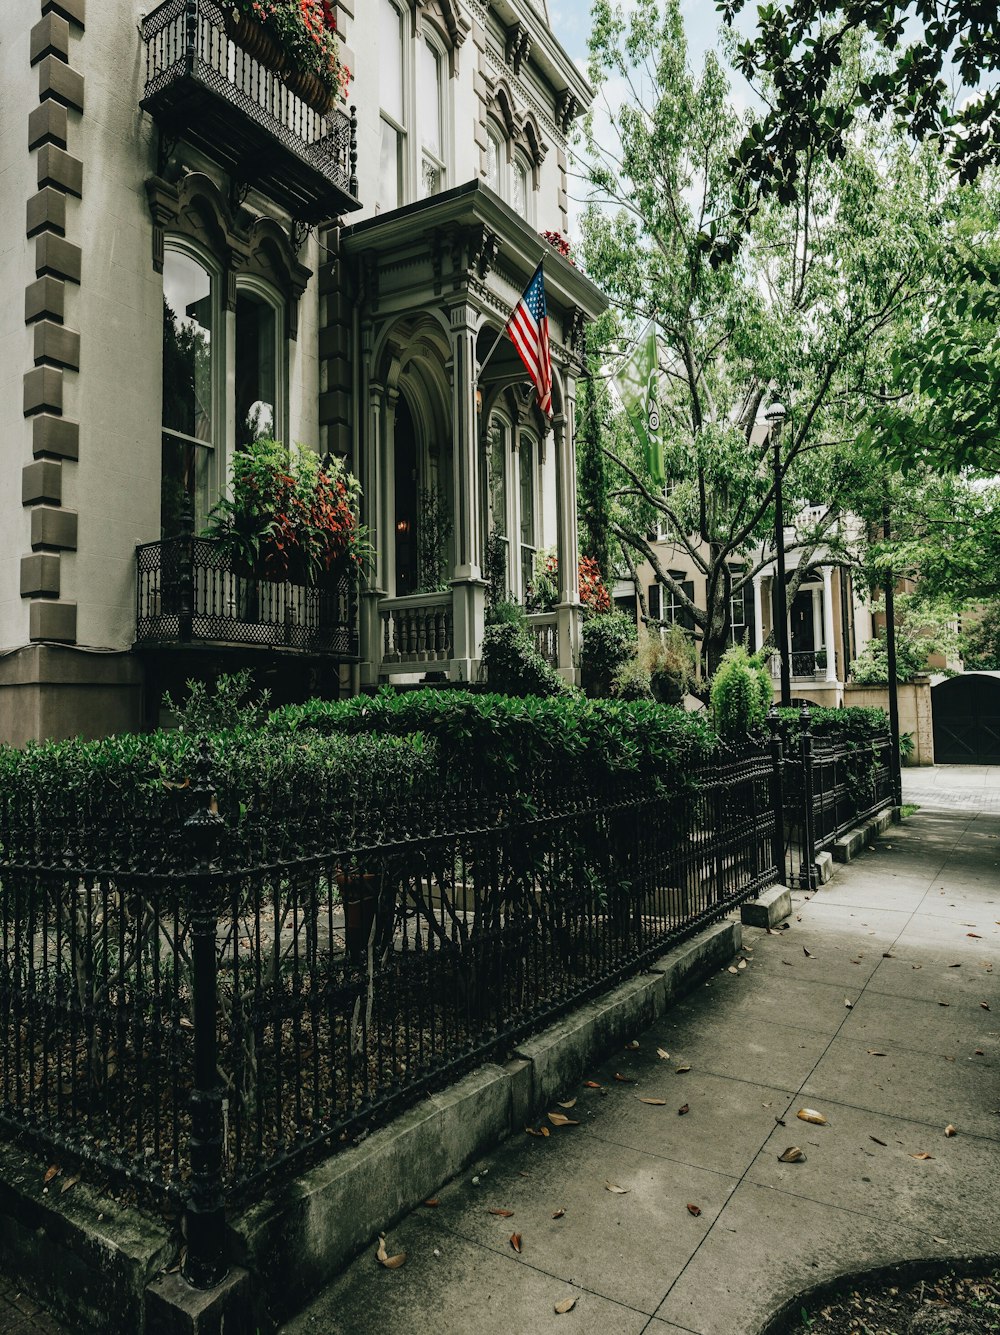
{"type": "Point", "coordinates": [571, 22]}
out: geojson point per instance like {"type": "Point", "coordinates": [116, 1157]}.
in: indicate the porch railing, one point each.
{"type": "Point", "coordinates": [192, 589]}
{"type": "Point", "coordinates": [545, 634]}
{"type": "Point", "coordinates": [417, 629]}
{"type": "Point", "coordinates": [804, 664]}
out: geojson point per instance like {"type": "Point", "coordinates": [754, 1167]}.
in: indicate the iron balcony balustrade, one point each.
{"type": "Point", "coordinates": [201, 85]}
{"type": "Point", "coordinates": [190, 590]}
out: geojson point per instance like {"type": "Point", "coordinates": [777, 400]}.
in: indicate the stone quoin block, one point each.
{"type": "Point", "coordinates": [41, 481]}
{"type": "Point", "coordinates": [57, 345]}
{"type": "Point", "coordinates": [45, 299]}
{"type": "Point", "coordinates": [50, 37]}
{"type": "Point", "coordinates": [46, 212]}
{"type": "Point", "coordinates": [59, 168]}
{"type": "Point", "coordinates": [56, 436]}
{"type": "Point", "coordinates": [40, 575]}
{"type": "Point", "coordinates": [53, 527]}
{"type": "Point", "coordinates": [52, 621]}
{"type": "Point", "coordinates": [56, 256]}
{"type": "Point", "coordinates": [48, 124]}
{"type": "Point", "coordinates": [73, 10]}
{"type": "Point", "coordinates": [43, 391]}
{"type": "Point", "coordinates": [61, 82]}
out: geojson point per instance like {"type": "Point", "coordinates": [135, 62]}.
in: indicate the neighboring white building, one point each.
{"type": "Point", "coordinates": [334, 278]}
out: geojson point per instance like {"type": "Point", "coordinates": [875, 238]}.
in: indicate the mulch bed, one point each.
{"type": "Point", "coordinates": [952, 1304]}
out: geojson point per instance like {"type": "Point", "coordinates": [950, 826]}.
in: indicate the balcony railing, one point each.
{"type": "Point", "coordinates": [200, 83]}
{"type": "Point", "coordinates": [190, 590]}
{"type": "Point", "coordinates": [804, 664]}
{"type": "Point", "coordinates": [417, 630]}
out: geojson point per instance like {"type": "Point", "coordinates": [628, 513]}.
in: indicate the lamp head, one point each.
{"type": "Point", "coordinates": [775, 414]}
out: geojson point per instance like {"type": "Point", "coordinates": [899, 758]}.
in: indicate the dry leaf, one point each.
{"type": "Point", "coordinates": [922, 1155]}
{"type": "Point", "coordinates": [808, 954]}
{"type": "Point", "coordinates": [979, 1052]}
{"type": "Point", "coordinates": [623, 1079]}
{"type": "Point", "coordinates": [780, 1121]}
{"type": "Point", "coordinates": [693, 1209]}
{"type": "Point", "coordinates": [532, 1131]}
{"type": "Point", "coordinates": [591, 1084]}
{"type": "Point", "coordinates": [811, 1115]}
{"type": "Point", "coordinates": [558, 1214]}
{"type": "Point", "coordinates": [570, 1103]}
{"type": "Point", "coordinates": [682, 1110]}
{"type": "Point", "coordinates": [383, 1257]}
{"type": "Point", "coordinates": [52, 1172]}
{"type": "Point", "coordinates": [681, 1069]}
{"type": "Point", "coordinates": [732, 969]}
{"type": "Point", "coordinates": [788, 962]}
{"type": "Point", "coordinates": [432, 1202]}
{"type": "Point", "coordinates": [543, 1131]}
{"type": "Point", "coordinates": [566, 1305]}
{"type": "Point", "coordinates": [70, 1182]}
{"type": "Point", "coordinates": [874, 1052]}
{"type": "Point", "coordinates": [954, 966]}
{"type": "Point", "coordinates": [560, 1119]}
{"type": "Point", "coordinates": [633, 1046]}
{"type": "Point", "coordinates": [975, 936]}
{"type": "Point", "coordinates": [501, 1214]}
{"type": "Point", "coordinates": [878, 1142]}
{"type": "Point", "coordinates": [515, 1242]}
{"type": "Point", "coordinates": [663, 1056]}
{"type": "Point", "coordinates": [185, 1023]}
{"type": "Point", "coordinates": [950, 1130]}
{"type": "Point", "coordinates": [656, 1103]}
{"type": "Point", "coordinates": [616, 1189]}
{"type": "Point", "coordinates": [942, 1240]}
{"type": "Point", "coordinates": [985, 1005]}
{"type": "Point", "coordinates": [944, 1003]}
{"type": "Point", "coordinates": [888, 955]}
{"type": "Point", "coordinates": [849, 1003]}
{"type": "Point", "coordinates": [742, 964]}
{"type": "Point", "coordinates": [792, 1155]}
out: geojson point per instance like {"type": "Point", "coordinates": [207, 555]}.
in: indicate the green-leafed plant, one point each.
{"type": "Point", "coordinates": [631, 682]}
{"type": "Point", "coordinates": [231, 704]}
{"type": "Point", "coordinates": [671, 661]}
{"type": "Point", "coordinates": [514, 666]}
{"type": "Point", "coordinates": [609, 644]}
{"type": "Point", "coordinates": [306, 31]}
{"type": "Point", "coordinates": [289, 514]}
{"type": "Point", "coordinates": [740, 695]}
{"type": "Point", "coordinates": [434, 530]}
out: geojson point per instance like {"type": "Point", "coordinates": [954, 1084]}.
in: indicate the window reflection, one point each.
{"type": "Point", "coordinates": [256, 353]}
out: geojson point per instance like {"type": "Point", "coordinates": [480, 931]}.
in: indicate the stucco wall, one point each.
{"type": "Point", "coordinates": [914, 712]}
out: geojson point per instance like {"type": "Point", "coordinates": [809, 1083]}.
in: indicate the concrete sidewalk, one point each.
{"type": "Point", "coordinates": [909, 936]}
{"type": "Point", "coordinates": [953, 787]}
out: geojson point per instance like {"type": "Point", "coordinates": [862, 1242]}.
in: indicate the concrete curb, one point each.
{"type": "Point", "coordinates": [849, 845]}
{"type": "Point", "coordinates": [768, 909]}
{"type": "Point", "coordinates": [296, 1240]}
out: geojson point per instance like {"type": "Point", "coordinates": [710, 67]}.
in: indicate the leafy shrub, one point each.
{"type": "Point", "coordinates": [609, 642]}
{"type": "Point", "coordinates": [632, 682]}
{"type": "Point", "coordinates": [871, 667]}
{"type": "Point", "coordinates": [123, 800]}
{"type": "Point", "coordinates": [228, 706]}
{"type": "Point", "coordinates": [671, 661]}
{"type": "Point", "coordinates": [740, 695]}
{"type": "Point", "coordinates": [514, 666]}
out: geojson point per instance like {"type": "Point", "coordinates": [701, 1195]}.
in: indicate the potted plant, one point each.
{"type": "Point", "coordinates": [297, 39]}
{"type": "Point", "coordinates": [290, 516]}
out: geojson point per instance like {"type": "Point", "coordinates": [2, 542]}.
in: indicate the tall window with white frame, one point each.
{"type": "Point", "coordinates": [430, 118]}
{"type": "Point", "coordinates": [190, 375]}
{"type": "Point", "coordinates": [258, 366]}
{"type": "Point", "coordinates": [499, 442]}
{"type": "Point", "coordinates": [526, 477]}
{"type": "Point", "coordinates": [392, 106]}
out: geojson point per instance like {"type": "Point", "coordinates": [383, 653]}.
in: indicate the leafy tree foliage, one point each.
{"type": "Point", "coordinates": [826, 286]}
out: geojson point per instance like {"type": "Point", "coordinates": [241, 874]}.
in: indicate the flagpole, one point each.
{"type": "Point", "coordinates": [502, 334]}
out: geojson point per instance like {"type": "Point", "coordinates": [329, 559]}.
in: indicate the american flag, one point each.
{"type": "Point", "coordinates": [528, 326]}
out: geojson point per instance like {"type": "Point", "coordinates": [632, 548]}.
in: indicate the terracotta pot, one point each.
{"type": "Point", "coordinates": [359, 895]}
{"type": "Point", "coordinates": [308, 86]}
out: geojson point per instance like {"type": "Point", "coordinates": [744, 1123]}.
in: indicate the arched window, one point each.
{"type": "Point", "coordinates": [495, 161]}
{"type": "Point", "coordinates": [260, 365]}
{"type": "Point", "coordinates": [521, 196]}
{"type": "Point", "coordinates": [192, 365]}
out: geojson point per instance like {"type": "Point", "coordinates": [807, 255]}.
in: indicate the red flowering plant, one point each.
{"type": "Point", "coordinates": [306, 31]}
{"type": "Point", "coordinates": [290, 516]}
{"type": "Point", "coordinates": [558, 242]}
{"type": "Point", "coordinates": [543, 592]}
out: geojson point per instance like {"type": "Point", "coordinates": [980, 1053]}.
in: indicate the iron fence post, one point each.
{"type": "Point", "coordinates": [777, 792]}
{"type": "Point", "coordinates": [204, 1212]}
{"type": "Point", "coordinates": [807, 868]}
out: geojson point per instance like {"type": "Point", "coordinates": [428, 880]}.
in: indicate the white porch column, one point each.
{"type": "Point", "coordinates": [758, 611]}
{"type": "Point", "coordinates": [828, 644]}
{"type": "Point", "coordinates": [374, 473]}
{"type": "Point", "coordinates": [468, 586]}
{"type": "Point", "coordinates": [569, 611]}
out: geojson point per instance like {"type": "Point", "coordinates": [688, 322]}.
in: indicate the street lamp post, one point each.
{"type": "Point", "coordinates": [775, 417]}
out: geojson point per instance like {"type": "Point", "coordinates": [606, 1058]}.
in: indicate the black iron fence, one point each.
{"type": "Point", "coordinates": [192, 589]}
{"type": "Point", "coordinates": [197, 1033]}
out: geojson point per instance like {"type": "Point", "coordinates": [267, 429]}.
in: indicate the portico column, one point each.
{"type": "Point", "coordinates": [569, 613]}
{"type": "Point", "coordinates": [831, 653]}
{"type": "Point", "coordinates": [375, 517]}
{"type": "Point", "coordinates": [468, 586]}
{"type": "Point", "coordinates": [758, 612]}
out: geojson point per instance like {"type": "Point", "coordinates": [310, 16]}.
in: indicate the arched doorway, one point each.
{"type": "Point", "coordinates": [966, 713]}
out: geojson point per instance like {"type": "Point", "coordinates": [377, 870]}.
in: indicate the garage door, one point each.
{"type": "Point", "coordinates": [967, 720]}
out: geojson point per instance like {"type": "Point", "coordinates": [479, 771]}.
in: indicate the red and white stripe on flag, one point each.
{"type": "Point", "coordinates": [528, 327]}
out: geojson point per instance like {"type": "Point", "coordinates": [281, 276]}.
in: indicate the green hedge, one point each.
{"type": "Point", "coordinates": [523, 747]}
{"type": "Point", "coordinates": [122, 801]}
{"type": "Point", "coordinates": [854, 724]}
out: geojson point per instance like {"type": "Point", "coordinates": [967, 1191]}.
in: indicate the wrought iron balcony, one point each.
{"type": "Point", "coordinates": [189, 590]}
{"type": "Point", "coordinates": [202, 85]}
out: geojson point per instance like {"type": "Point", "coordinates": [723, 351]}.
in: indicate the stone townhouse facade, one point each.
{"type": "Point", "coordinates": [334, 278]}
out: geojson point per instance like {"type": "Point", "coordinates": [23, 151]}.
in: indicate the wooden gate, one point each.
{"type": "Point", "coordinates": [966, 713]}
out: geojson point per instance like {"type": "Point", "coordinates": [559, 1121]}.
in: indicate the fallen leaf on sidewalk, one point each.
{"type": "Point", "coordinates": [663, 1055]}
{"type": "Point", "coordinates": [68, 1184]}
{"type": "Point", "coordinates": [570, 1103]}
{"type": "Point", "coordinates": [975, 936]}
{"type": "Point", "coordinates": [432, 1202]}
{"type": "Point", "coordinates": [592, 1084]}
{"type": "Point", "coordinates": [979, 1052]}
{"type": "Point", "coordinates": [633, 1046]}
{"type": "Point", "coordinates": [616, 1189]}
{"type": "Point", "coordinates": [848, 1003]}
{"type": "Point", "coordinates": [922, 1155]}
{"type": "Point", "coordinates": [558, 1214]}
{"type": "Point", "coordinates": [811, 1115]}
{"type": "Point", "coordinates": [693, 1209]}
{"type": "Point", "coordinates": [788, 962]}
{"type": "Point", "coordinates": [874, 1052]}
{"type": "Point", "coordinates": [560, 1119]}
{"type": "Point", "coordinates": [950, 1130]}
{"type": "Point", "coordinates": [501, 1214]}
{"type": "Point", "coordinates": [623, 1079]}
{"type": "Point", "coordinates": [383, 1257]}
{"type": "Point", "coordinates": [515, 1242]}
{"type": "Point", "coordinates": [566, 1305]}
{"type": "Point", "coordinates": [742, 964]}
{"type": "Point", "coordinates": [888, 955]}
{"type": "Point", "coordinates": [985, 1005]}
{"type": "Point", "coordinates": [954, 966]}
{"type": "Point", "coordinates": [780, 1121]}
{"type": "Point", "coordinates": [537, 1131]}
{"type": "Point", "coordinates": [792, 1155]}
{"type": "Point", "coordinates": [732, 969]}
{"type": "Point", "coordinates": [878, 1142]}
{"type": "Point", "coordinates": [683, 1110]}
{"type": "Point", "coordinates": [944, 1003]}
{"type": "Point", "coordinates": [50, 1173]}
{"type": "Point", "coordinates": [808, 954]}
{"type": "Point", "coordinates": [916, 966]}
{"type": "Point", "coordinates": [681, 1069]}
{"type": "Point", "coordinates": [656, 1103]}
